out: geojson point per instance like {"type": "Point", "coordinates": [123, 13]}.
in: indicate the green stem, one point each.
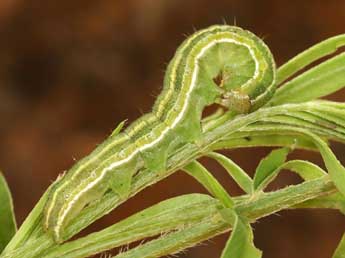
{"type": "Point", "coordinates": [222, 128]}
{"type": "Point", "coordinates": [207, 223]}
{"type": "Point", "coordinates": [252, 207]}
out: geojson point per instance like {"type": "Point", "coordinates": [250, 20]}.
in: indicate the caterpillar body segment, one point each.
{"type": "Point", "coordinates": [220, 64]}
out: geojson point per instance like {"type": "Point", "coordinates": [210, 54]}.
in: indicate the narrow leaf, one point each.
{"type": "Point", "coordinates": [200, 173]}
{"type": "Point", "coordinates": [8, 226]}
{"type": "Point", "coordinates": [310, 55]}
{"type": "Point", "coordinates": [317, 82]}
{"type": "Point", "coordinates": [332, 116]}
{"type": "Point", "coordinates": [335, 169]}
{"type": "Point", "coordinates": [299, 123]}
{"type": "Point", "coordinates": [319, 120]}
{"type": "Point", "coordinates": [305, 169]}
{"type": "Point", "coordinates": [340, 251]}
{"type": "Point", "coordinates": [29, 227]}
{"type": "Point", "coordinates": [267, 137]}
{"type": "Point", "coordinates": [265, 171]}
{"type": "Point", "coordinates": [235, 171]}
{"type": "Point", "coordinates": [240, 243]}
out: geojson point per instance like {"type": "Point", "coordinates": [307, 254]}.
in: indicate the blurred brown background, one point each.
{"type": "Point", "coordinates": [71, 70]}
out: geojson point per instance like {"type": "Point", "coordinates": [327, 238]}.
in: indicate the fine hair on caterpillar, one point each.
{"type": "Point", "coordinates": [221, 64]}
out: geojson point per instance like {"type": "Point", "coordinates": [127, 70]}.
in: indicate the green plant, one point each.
{"type": "Point", "coordinates": [293, 118]}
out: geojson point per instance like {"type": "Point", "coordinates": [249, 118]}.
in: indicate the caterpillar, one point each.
{"type": "Point", "coordinates": [222, 64]}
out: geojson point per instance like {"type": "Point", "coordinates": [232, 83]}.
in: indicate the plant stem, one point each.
{"type": "Point", "coordinates": [222, 127]}
{"type": "Point", "coordinates": [252, 207]}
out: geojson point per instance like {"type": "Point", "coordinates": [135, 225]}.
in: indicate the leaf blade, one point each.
{"type": "Point", "coordinates": [236, 172]}
{"type": "Point", "coordinates": [305, 169]}
{"type": "Point", "coordinates": [7, 218]}
{"type": "Point", "coordinates": [265, 171]}
{"type": "Point", "coordinates": [340, 251]}
{"type": "Point", "coordinates": [203, 176]}
{"type": "Point", "coordinates": [324, 48]}
{"type": "Point", "coordinates": [240, 243]}
{"type": "Point", "coordinates": [317, 82]}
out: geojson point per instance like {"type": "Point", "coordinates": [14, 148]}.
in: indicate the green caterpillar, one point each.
{"type": "Point", "coordinates": [221, 64]}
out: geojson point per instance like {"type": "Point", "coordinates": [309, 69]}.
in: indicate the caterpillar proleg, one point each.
{"type": "Point", "coordinates": [220, 64]}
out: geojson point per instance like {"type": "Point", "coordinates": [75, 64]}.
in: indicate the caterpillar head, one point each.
{"type": "Point", "coordinates": [246, 70]}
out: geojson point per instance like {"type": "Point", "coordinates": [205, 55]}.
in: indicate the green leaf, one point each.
{"type": "Point", "coordinates": [305, 169]}
{"type": "Point", "coordinates": [236, 172]}
{"type": "Point", "coordinates": [316, 128]}
{"type": "Point", "coordinates": [320, 121]}
{"type": "Point", "coordinates": [265, 171]}
{"type": "Point", "coordinates": [335, 169]}
{"type": "Point", "coordinates": [200, 173]}
{"type": "Point", "coordinates": [322, 49]}
{"type": "Point", "coordinates": [240, 243]}
{"type": "Point", "coordinates": [317, 82]}
{"type": "Point", "coordinates": [261, 135]}
{"type": "Point", "coordinates": [340, 251]}
{"type": "Point", "coordinates": [334, 115]}
{"type": "Point", "coordinates": [8, 226]}
{"type": "Point", "coordinates": [29, 227]}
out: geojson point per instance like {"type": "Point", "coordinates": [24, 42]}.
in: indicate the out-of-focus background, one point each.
{"type": "Point", "coordinates": [71, 70]}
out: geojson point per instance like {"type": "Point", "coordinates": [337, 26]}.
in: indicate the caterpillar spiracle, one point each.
{"type": "Point", "coordinates": [220, 64]}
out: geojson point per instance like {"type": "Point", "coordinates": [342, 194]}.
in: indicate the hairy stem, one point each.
{"type": "Point", "coordinates": [39, 241]}
{"type": "Point", "coordinates": [205, 223]}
